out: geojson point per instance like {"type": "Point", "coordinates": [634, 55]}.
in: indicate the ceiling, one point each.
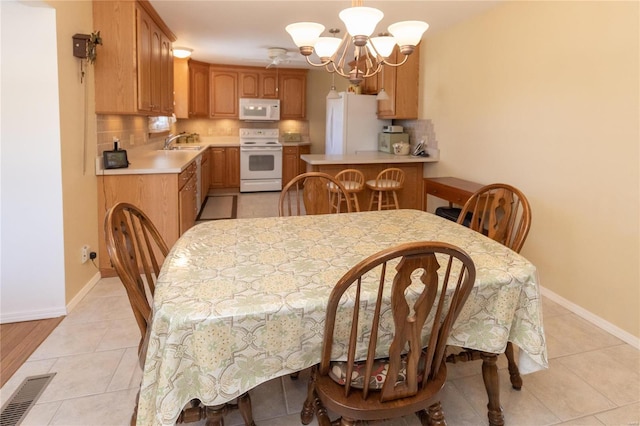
{"type": "Point", "coordinates": [241, 32]}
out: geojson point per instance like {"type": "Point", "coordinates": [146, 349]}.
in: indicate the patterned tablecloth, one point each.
{"type": "Point", "coordinates": [240, 302]}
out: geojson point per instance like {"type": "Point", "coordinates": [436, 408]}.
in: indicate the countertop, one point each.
{"type": "Point", "coordinates": [368, 157]}
{"type": "Point", "coordinates": [155, 160]}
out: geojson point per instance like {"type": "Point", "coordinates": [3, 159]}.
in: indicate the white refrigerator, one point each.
{"type": "Point", "coordinates": [352, 124]}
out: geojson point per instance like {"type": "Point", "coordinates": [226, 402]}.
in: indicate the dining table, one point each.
{"type": "Point", "coordinates": [242, 301]}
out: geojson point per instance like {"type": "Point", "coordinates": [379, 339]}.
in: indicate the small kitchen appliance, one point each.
{"type": "Point", "coordinates": [392, 129]}
{"type": "Point", "coordinates": [387, 140]}
{"type": "Point", "coordinates": [252, 109]}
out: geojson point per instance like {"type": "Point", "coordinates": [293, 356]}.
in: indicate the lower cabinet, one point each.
{"type": "Point", "coordinates": [168, 199]}
{"type": "Point", "coordinates": [292, 165]}
{"type": "Point", "coordinates": [205, 176]}
{"type": "Point", "coordinates": [225, 167]}
{"type": "Point", "coordinates": [187, 198]}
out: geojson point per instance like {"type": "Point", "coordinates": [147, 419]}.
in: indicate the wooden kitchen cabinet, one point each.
{"type": "Point", "coordinates": [292, 165]}
{"type": "Point", "coordinates": [134, 68]}
{"type": "Point", "coordinates": [256, 83]}
{"type": "Point", "coordinates": [293, 94]}
{"type": "Point", "coordinates": [400, 83]}
{"type": "Point", "coordinates": [223, 95]}
{"type": "Point", "coordinates": [225, 167]}
{"type": "Point", "coordinates": [187, 198]}
{"type": "Point", "coordinates": [198, 89]}
{"type": "Point", "coordinates": [249, 84]}
{"type": "Point", "coordinates": [205, 176]}
{"type": "Point", "coordinates": [232, 163]}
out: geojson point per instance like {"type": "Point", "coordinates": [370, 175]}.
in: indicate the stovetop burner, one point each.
{"type": "Point", "coordinates": [259, 137]}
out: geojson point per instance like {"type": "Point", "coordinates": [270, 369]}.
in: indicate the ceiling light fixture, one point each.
{"type": "Point", "coordinates": [182, 52]}
{"type": "Point", "coordinates": [370, 54]}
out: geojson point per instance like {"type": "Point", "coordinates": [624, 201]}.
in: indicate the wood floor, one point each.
{"type": "Point", "coordinates": [18, 340]}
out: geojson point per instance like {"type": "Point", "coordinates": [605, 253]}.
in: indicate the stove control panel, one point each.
{"type": "Point", "coordinates": [260, 133]}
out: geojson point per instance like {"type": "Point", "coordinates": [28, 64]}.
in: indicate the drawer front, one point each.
{"type": "Point", "coordinates": [453, 195]}
{"type": "Point", "coordinates": [290, 150]}
{"type": "Point", "coordinates": [186, 174]}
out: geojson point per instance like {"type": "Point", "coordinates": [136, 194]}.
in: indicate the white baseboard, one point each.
{"type": "Point", "coordinates": [593, 319]}
{"type": "Point", "coordinates": [54, 312]}
{"type": "Point", "coordinates": [83, 292]}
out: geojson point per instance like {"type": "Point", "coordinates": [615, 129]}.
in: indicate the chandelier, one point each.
{"type": "Point", "coordinates": [369, 54]}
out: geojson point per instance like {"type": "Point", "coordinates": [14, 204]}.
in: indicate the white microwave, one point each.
{"type": "Point", "coordinates": [259, 109]}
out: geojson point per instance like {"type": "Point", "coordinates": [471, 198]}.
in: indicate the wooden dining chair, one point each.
{"type": "Point", "coordinates": [385, 187]}
{"type": "Point", "coordinates": [310, 193]}
{"type": "Point", "coordinates": [137, 250]}
{"type": "Point", "coordinates": [502, 213]}
{"type": "Point", "coordinates": [411, 285]}
{"type": "Point", "coordinates": [353, 182]}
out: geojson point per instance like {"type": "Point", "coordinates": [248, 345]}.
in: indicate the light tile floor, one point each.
{"type": "Point", "coordinates": [593, 379]}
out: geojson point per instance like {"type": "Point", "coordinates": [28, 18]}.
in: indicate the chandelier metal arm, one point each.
{"type": "Point", "coordinates": [385, 62]}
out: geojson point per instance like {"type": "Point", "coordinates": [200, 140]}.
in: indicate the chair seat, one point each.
{"type": "Point", "coordinates": [383, 184]}
{"type": "Point", "coordinates": [453, 213]}
{"type": "Point", "coordinates": [350, 186]}
{"type": "Point", "coordinates": [338, 372]}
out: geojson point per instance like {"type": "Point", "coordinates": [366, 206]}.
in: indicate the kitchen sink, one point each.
{"type": "Point", "coordinates": [184, 148]}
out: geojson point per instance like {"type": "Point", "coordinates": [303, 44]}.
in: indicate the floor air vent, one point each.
{"type": "Point", "coordinates": [15, 410]}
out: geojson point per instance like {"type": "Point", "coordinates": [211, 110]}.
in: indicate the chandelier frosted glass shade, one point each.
{"type": "Point", "coordinates": [408, 33]}
{"type": "Point", "coordinates": [361, 21]}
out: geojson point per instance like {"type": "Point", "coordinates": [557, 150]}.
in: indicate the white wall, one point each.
{"type": "Point", "coordinates": [32, 278]}
{"type": "Point", "coordinates": [545, 96]}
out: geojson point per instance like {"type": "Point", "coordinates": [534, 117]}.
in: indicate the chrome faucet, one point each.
{"type": "Point", "coordinates": [172, 138]}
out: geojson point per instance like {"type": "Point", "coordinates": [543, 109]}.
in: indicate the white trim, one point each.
{"type": "Point", "coordinates": [592, 318]}
{"type": "Point", "coordinates": [83, 292]}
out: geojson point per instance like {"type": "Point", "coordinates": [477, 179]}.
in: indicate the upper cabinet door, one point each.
{"type": "Point", "coordinates": [198, 89]}
{"type": "Point", "coordinates": [145, 29]}
{"type": "Point", "coordinates": [223, 84]}
{"type": "Point", "coordinates": [249, 84]}
{"type": "Point", "coordinates": [269, 85]}
{"type": "Point", "coordinates": [293, 90]}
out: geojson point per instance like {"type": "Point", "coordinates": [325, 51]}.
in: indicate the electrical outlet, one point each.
{"type": "Point", "coordinates": [85, 253]}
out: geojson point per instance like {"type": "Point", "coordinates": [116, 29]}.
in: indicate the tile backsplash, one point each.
{"type": "Point", "coordinates": [419, 130]}
{"type": "Point", "coordinates": [132, 131]}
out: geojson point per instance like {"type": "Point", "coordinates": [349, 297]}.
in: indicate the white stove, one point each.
{"type": "Point", "coordinates": [260, 160]}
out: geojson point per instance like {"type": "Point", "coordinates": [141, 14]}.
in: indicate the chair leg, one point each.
{"type": "Point", "coordinates": [395, 200]}
{"type": "Point", "coordinates": [374, 198]}
{"type": "Point", "coordinates": [355, 202]}
{"type": "Point", "coordinates": [379, 200]}
{"type": "Point", "coordinates": [436, 416]}
{"type": "Point", "coordinates": [306, 415]}
{"type": "Point", "coordinates": [492, 386]}
{"type": "Point", "coordinates": [244, 405]}
{"type": "Point", "coordinates": [514, 372]}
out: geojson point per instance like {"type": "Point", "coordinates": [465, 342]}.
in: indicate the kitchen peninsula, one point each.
{"type": "Point", "coordinates": [373, 162]}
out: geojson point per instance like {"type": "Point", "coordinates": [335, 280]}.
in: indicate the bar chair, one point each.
{"type": "Point", "coordinates": [353, 182]}
{"type": "Point", "coordinates": [385, 187]}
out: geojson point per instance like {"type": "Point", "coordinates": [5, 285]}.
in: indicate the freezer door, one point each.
{"type": "Point", "coordinates": [334, 136]}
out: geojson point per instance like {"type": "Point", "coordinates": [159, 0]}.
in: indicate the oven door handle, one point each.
{"type": "Point", "coordinates": [261, 148]}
